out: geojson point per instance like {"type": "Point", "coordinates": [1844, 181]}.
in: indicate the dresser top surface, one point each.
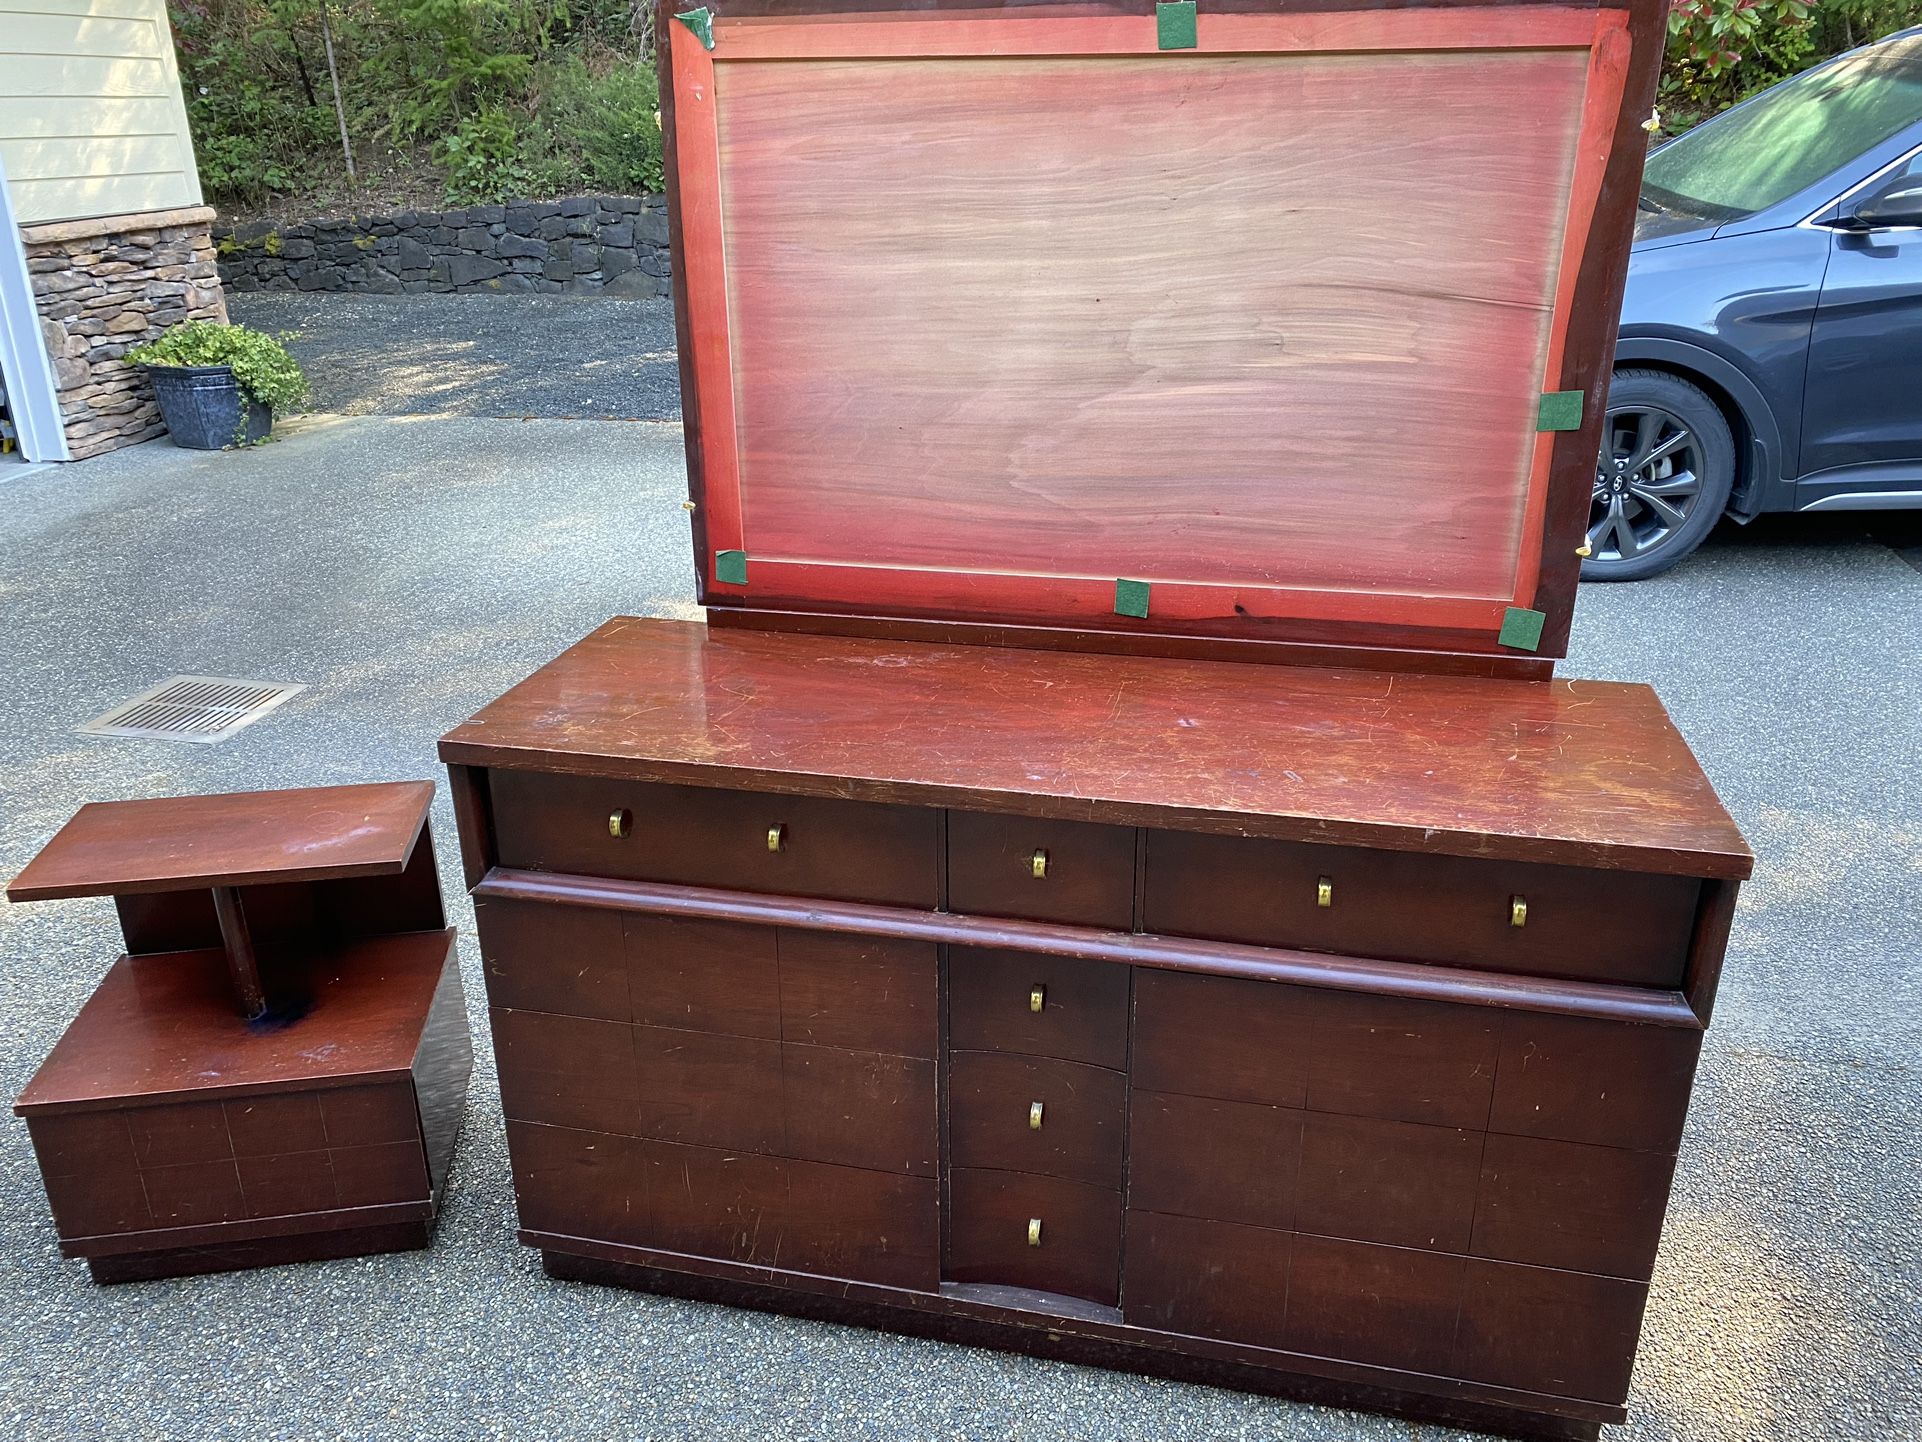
{"type": "Point", "coordinates": [1576, 772]}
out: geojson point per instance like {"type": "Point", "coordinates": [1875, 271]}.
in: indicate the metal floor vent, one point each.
{"type": "Point", "coordinates": [203, 709]}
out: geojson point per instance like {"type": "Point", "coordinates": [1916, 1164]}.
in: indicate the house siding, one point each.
{"type": "Point", "coordinates": [92, 122]}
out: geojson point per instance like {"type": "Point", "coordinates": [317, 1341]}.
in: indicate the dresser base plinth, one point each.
{"type": "Point", "coordinates": [1058, 1337]}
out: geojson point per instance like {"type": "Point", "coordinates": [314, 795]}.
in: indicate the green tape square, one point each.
{"type": "Point", "coordinates": [701, 23]}
{"type": "Point", "coordinates": [1521, 629]}
{"type": "Point", "coordinates": [1131, 597]}
{"type": "Point", "coordinates": [1175, 25]}
{"type": "Point", "coordinates": [731, 567]}
{"type": "Point", "coordinates": [1559, 411]}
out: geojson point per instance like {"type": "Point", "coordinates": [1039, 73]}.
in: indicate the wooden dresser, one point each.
{"type": "Point", "coordinates": [1320, 1031]}
{"type": "Point", "coordinates": [1114, 875]}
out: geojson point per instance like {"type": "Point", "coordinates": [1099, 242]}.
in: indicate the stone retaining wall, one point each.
{"type": "Point", "coordinates": [103, 287]}
{"type": "Point", "coordinates": [611, 244]}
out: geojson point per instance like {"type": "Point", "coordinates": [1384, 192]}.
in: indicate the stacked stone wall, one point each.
{"type": "Point", "coordinates": [103, 287]}
{"type": "Point", "coordinates": [607, 244]}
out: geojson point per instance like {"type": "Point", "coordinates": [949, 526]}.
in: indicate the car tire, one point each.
{"type": "Point", "coordinates": [1663, 478]}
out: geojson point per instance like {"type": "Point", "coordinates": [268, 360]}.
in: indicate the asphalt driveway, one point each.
{"type": "Point", "coordinates": [408, 569]}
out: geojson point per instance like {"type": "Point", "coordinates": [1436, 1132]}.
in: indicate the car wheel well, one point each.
{"type": "Point", "coordinates": [1738, 424]}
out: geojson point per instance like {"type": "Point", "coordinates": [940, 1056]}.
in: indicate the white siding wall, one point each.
{"type": "Point", "coordinates": [91, 118]}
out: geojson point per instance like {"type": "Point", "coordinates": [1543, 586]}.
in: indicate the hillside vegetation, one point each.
{"type": "Point", "coordinates": [472, 101]}
{"type": "Point", "coordinates": [457, 101]}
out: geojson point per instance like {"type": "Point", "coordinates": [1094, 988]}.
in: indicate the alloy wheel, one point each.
{"type": "Point", "coordinates": [1647, 482]}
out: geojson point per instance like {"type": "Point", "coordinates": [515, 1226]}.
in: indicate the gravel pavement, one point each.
{"type": "Point", "coordinates": [560, 357]}
{"type": "Point", "coordinates": [409, 569]}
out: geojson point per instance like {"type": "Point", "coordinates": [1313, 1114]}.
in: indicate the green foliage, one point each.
{"type": "Point", "coordinates": [254, 124]}
{"type": "Point", "coordinates": [260, 362]}
{"type": "Point", "coordinates": [497, 98]}
{"type": "Point", "coordinates": [604, 108]}
{"type": "Point", "coordinates": [482, 158]}
{"type": "Point", "coordinates": [442, 61]}
{"type": "Point", "coordinates": [1722, 51]}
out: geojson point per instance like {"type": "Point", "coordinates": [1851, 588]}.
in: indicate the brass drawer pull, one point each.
{"type": "Point", "coordinates": [1034, 1116]}
{"type": "Point", "coordinates": [777, 837]}
{"type": "Point", "coordinates": [1038, 865]}
{"type": "Point", "coordinates": [1034, 1231]}
{"type": "Point", "coordinates": [1324, 892]}
{"type": "Point", "coordinates": [1037, 998]}
{"type": "Point", "coordinates": [1517, 911]}
{"type": "Point", "coordinates": [620, 823]}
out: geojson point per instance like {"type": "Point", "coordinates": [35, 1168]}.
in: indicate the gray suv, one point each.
{"type": "Point", "coordinates": [1770, 352]}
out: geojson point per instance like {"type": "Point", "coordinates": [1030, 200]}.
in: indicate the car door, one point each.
{"type": "Point", "coordinates": [1862, 401]}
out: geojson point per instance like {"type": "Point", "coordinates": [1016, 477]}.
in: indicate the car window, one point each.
{"type": "Point", "coordinates": [1788, 138]}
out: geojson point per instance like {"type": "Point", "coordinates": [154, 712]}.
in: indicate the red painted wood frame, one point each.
{"type": "Point", "coordinates": [1313, 616]}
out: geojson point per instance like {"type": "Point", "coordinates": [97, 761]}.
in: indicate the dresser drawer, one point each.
{"type": "Point", "coordinates": [740, 1094]}
{"type": "Point", "coordinates": [1563, 921]}
{"type": "Point", "coordinates": [1036, 1114]}
{"type": "Point", "coordinates": [865, 993]}
{"type": "Point", "coordinates": [1055, 1006]}
{"type": "Point", "coordinates": [1070, 871]}
{"type": "Point", "coordinates": [765, 1211]}
{"type": "Point", "coordinates": [1038, 1232]}
{"type": "Point", "coordinates": [740, 840]}
{"type": "Point", "coordinates": [1347, 1053]}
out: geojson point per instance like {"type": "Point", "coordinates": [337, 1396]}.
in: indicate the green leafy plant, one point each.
{"type": "Point", "coordinates": [482, 157]}
{"type": "Point", "coordinates": [1723, 51]}
{"type": "Point", "coordinates": [262, 368]}
{"type": "Point", "coordinates": [604, 108]}
{"type": "Point", "coordinates": [1712, 36]}
{"type": "Point", "coordinates": [491, 99]}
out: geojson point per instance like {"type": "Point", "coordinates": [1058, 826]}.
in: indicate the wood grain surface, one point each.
{"type": "Point", "coordinates": [167, 843]}
{"type": "Point", "coordinates": [1082, 1333]}
{"type": "Point", "coordinates": [1576, 923]}
{"type": "Point", "coordinates": [1003, 326]}
{"type": "Point", "coordinates": [165, 1024]}
{"type": "Point", "coordinates": [1588, 773]}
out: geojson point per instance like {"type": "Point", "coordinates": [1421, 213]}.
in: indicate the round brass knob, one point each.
{"type": "Point", "coordinates": [620, 823]}
{"type": "Point", "coordinates": [777, 837]}
{"type": "Point", "coordinates": [1034, 1231]}
{"type": "Point", "coordinates": [1037, 997]}
{"type": "Point", "coordinates": [1324, 892]}
{"type": "Point", "coordinates": [1034, 1116]}
{"type": "Point", "coordinates": [1517, 911]}
{"type": "Point", "coordinates": [1038, 866]}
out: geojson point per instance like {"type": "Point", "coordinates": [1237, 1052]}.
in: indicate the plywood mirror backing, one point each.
{"type": "Point", "coordinates": [1013, 318]}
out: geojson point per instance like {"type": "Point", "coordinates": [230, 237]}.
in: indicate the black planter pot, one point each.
{"type": "Point", "coordinates": [205, 410]}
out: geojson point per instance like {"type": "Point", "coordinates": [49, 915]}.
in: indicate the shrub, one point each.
{"type": "Point", "coordinates": [604, 108]}
{"type": "Point", "coordinates": [1722, 51]}
{"type": "Point", "coordinates": [482, 158]}
{"type": "Point", "coordinates": [261, 365]}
